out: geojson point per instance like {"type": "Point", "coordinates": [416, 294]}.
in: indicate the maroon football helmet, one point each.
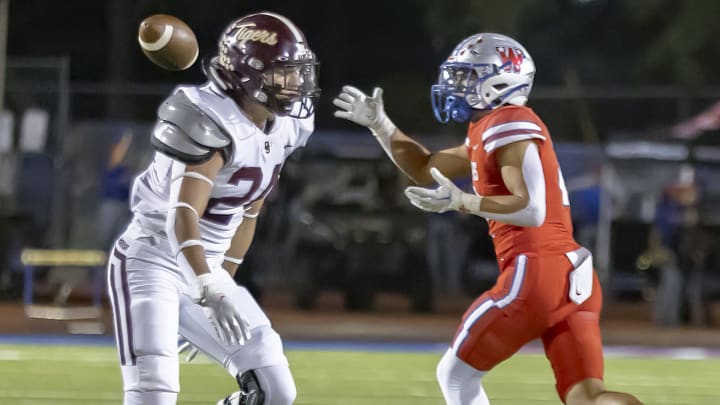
{"type": "Point", "coordinates": [266, 57]}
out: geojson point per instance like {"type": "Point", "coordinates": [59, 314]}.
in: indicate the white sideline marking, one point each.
{"type": "Point", "coordinates": [10, 355]}
{"type": "Point", "coordinates": [105, 396]}
{"type": "Point", "coordinates": [110, 357]}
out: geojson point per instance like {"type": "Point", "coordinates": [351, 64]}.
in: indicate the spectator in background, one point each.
{"type": "Point", "coordinates": [678, 247]}
{"type": "Point", "coordinates": [114, 212]}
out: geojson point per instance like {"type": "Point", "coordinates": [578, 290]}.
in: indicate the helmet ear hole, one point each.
{"type": "Point", "coordinates": [255, 63]}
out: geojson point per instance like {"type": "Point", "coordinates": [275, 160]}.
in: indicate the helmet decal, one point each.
{"type": "Point", "coordinates": [512, 58]}
{"type": "Point", "coordinates": [246, 32]}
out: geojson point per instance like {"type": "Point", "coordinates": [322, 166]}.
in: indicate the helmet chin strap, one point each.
{"type": "Point", "coordinates": [252, 108]}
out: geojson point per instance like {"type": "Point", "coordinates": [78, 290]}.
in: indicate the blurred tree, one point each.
{"type": "Point", "coordinates": [452, 20]}
{"type": "Point", "coordinates": [662, 42]}
{"type": "Point", "coordinates": [683, 48]}
{"type": "Point", "coordinates": [119, 55]}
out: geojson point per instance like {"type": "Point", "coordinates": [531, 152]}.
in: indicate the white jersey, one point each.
{"type": "Point", "coordinates": [250, 173]}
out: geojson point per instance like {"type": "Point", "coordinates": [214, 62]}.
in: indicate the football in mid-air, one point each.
{"type": "Point", "coordinates": [168, 42]}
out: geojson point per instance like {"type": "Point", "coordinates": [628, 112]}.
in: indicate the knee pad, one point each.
{"type": "Point", "coordinates": [443, 372]}
{"type": "Point", "coordinates": [453, 372]}
{"type": "Point", "coordinates": [285, 394]}
{"type": "Point", "coordinates": [152, 397]}
{"type": "Point", "coordinates": [152, 373]}
{"type": "Point", "coordinates": [459, 382]}
{"type": "Point", "coordinates": [278, 384]}
{"type": "Point", "coordinates": [264, 349]}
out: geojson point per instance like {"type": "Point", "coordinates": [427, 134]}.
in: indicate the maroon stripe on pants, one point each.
{"type": "Point", "coordinates": [116, 315]}
{"type": "Point", "coordinates": [126, 295]}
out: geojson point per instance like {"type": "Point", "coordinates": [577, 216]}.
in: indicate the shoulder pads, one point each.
{"type": "Point", "coordinates": [188, 134]}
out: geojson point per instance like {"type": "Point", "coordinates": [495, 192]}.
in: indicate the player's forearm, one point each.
{"type": "Point", "coordinates": [240, 245]}
{"type": "Point", "coordinates": [195, 257]}
{"type": "Point", "coordinates": [186, 235]}
{"type": "Point", "coordinates": [411, 157]}
{"type": "Point", "coordinates": [511, 209]}
{"type": "Point", "coordinates": [503, 204]}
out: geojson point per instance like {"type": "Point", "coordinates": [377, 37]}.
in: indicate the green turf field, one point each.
{"type": "Point", "coordinates": [64, 375]}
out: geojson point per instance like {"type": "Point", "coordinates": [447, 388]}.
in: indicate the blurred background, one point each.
{"type": "Point", "coordinates": [628, 88]}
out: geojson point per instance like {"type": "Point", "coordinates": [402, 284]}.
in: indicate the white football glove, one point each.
{"type": "Point", "coordinates": [356, 106]}
{"type": "Point", "coordinates": [185, 345]}
{"type": "Point", "coordinates": [231, 325]}
{"type": "Point", "coordinates": [447, 197]}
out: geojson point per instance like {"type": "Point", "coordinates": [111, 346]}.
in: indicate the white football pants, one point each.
{"type": "Point", "coordinates": [151, 306]}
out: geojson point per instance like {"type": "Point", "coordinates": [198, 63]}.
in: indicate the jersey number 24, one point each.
{"type": "Point", "coordinates": [252, 174]}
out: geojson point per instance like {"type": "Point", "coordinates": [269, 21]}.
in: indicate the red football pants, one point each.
{"type": "Point", "coordinates": [529, 301]}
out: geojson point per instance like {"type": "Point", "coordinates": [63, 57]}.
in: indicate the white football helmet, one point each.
{"type": "Point", "coordinates": [484, 72]}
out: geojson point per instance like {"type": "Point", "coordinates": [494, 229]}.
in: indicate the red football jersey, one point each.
{"type": "Point", "coordinates": [501, 127]}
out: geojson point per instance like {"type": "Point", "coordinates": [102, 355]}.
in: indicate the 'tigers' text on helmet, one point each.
{"type": "Point", "coordinates": [244, 32]}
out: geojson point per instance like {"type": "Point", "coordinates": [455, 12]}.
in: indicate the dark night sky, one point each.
{"type": "Point", "coordinates": [360, 43]}
{"type": "Point", "coordinates": [392, 44]}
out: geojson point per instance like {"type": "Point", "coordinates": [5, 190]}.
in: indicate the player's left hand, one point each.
{"type": "Point", "coordinates": [358, 107]}
{"type": "Point", "coordinates": [368, 111]}
{"type": "Point", "coordinates": [447, 197]}
{"type": "Point", "coordinates": [229, 322]}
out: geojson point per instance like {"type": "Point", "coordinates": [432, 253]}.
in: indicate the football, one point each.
{"type": "Point", "coordinates": [168, 42]}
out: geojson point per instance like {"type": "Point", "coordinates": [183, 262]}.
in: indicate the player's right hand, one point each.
{"type": "Point", "coordinates": [358, 107]}
{"type": "Point", "coordinates": [447, 197]}
{"type": "Point", "coordinates": [231, 325]}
